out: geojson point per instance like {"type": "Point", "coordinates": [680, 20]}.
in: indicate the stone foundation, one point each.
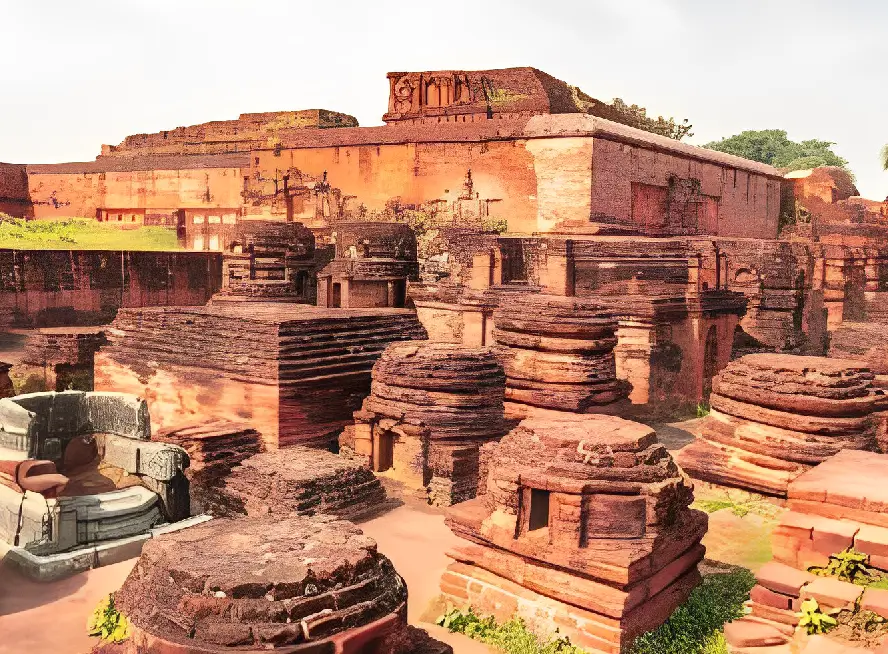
{"type": "Point", "coordinates": [839, 504]}
{"type": "Point", "coordinates": [245, 585]}
{"type": "Point", "coordinates": [305, 481]}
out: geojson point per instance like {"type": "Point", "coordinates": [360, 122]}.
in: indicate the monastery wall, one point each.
{"type": "Point", "coordinates": [61, 191]}
{"type": "Point", "coordinates": [14, 199]}
{"type": "Point", "coordinates": [586, 178]}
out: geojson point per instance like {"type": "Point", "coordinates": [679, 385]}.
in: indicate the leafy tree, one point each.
{"type": "Point", "coordinates": [773, 147]}
{"type": "Point", "coordinates": [884, 157]}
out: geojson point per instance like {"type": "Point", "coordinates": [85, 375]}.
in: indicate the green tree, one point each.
{"type": "Point", "coordinates": [773, 147]}
{"type": "Point", "coordinates": [884, 157]}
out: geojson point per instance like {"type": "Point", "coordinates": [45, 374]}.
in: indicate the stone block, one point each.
{"type": "Point", "coordinates": [117, 413]}
{"type": "Point", "coordinates": [752, 633]}
{"type": "Point", "coordinates": [768, 597]}
{"type": "Point", "coordinates": [875, 600]}
{"type": "Point", "coordinates": [831, 592]}
{"type": "Point", "coordinates": [783, 579]}
{"type": "Point", "coordinates": [872, 540]}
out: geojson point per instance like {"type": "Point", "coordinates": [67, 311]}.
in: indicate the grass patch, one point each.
{"type": "Point", "coordinates": [696, 626]}
{"type": "Point", "coordinates": [81, 234]}
{"type": "Point", "coordinates": [512, 637]}
{"type": "Point", "coordinates": [739, 502]}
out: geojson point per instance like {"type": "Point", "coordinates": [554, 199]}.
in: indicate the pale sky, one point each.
{"type": "Point", "coordinates": [79, 74]}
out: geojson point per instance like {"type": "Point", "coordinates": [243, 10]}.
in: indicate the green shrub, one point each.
{"type": "Point", "coordinates": [108, 623]}
{"type": "Point", "coordinates": [813, 619]}
{"type": "Point", "coordinates": [695, 627]}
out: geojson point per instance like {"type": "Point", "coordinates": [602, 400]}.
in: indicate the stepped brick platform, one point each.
{"type": "Point", "coordinates": [558, 354]}
{"type": "Point", "coordinates": [214, 448]}
{"type": "Point", "coordinates": [295, 372]}
{"type": "Point", "coordinates": [585, 526]}
{"type": "Point", "coordinates": [839, 504]}
{"type": "Point", "coordinates": [775, 415]}
{"type": "Point", "coordinates": [294, 584]}
{"type": "Point", "coordinates": [302, 480]}
{"type": "Point", "coordinates": [431, 406]}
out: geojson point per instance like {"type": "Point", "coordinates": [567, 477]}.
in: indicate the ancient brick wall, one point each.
{"type": "Point", "coordinates": [65, 194]}
{"type": "Point", "coordinates": [632, 188]}
{"type": "Point", "coordinates": [14, 199]}
{"type": "Point", "coordinates": [87, 287]}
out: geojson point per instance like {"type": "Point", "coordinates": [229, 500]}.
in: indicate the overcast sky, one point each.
{"type": "Point", "coordinates": [79, 74]}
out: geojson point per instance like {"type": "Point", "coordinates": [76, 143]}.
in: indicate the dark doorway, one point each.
{"type": "Point", "coordinates": [337, 295]}
{"type": "Point", "coordinates": [399, 293]}
{"type": "Point", "coordinates": [514, 269]}
{"type": "Point", "coordinates": [539, 510]}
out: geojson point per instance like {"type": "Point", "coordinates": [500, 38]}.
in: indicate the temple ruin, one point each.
{"type": "Point", "coordinates": [586, 517]}
{"type": "Point", "coordinates": [480, 305]}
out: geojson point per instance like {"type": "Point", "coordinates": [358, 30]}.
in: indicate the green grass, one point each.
{"type": "Point", "coordinates": [696, 626]}
{"type": "Point", "coordinates": [81, 234]}
{"type": "Point", "coordinates": [512, 637]}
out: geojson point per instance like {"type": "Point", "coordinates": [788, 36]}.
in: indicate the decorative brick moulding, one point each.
{"type": "Point", "coordinates": [585, 527]}
{"type": "Point", "coordinates": [774, 416]}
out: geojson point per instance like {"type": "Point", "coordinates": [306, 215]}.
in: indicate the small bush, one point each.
{"type": "Point", "coordinates": [813, 619]}
{"type": "Point", "coordinates": [851, 565]}
{"type": "Point", "coordinates": [696, 626]}
{"type": "Point", "coordinates": [702, 409]}
{"type": "Point", "coordinates": [108, 623]}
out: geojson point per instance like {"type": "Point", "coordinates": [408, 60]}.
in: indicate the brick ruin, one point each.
{"type": "Point", "coordinates": [835, 506]}
{"type": "Point", "coordinates": [584, 527]}
{"type": "Point", "coordinates": [204, 589]}
{"type": "Point", "coordinates": [776, 415]}
{"type": "Point", "coordinates": [431, 407]}
{"type": "Point", "coordinates": [505, 253]}
{"type": "Point", "coordinates": [59, 359]}
{"type": "Point", "coordinates": [295, 372]}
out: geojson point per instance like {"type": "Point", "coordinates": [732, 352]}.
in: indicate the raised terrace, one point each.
{"type": "Point", "coordinates": [296, 372]}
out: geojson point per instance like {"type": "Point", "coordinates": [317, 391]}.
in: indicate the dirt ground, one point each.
{"type": "Point", "coordinates": [50, 618]}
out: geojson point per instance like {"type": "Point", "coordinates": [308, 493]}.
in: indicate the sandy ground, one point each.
{"type": "Point", "coordinates": [50, 618]}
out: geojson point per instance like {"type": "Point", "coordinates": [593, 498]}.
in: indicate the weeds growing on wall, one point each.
{"type": "Point", "coordinates": [851, 565]}
{"type": "Point", "coordinates": [81, 234]}
{"type": "Point", "coordinates": [813, 619]}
